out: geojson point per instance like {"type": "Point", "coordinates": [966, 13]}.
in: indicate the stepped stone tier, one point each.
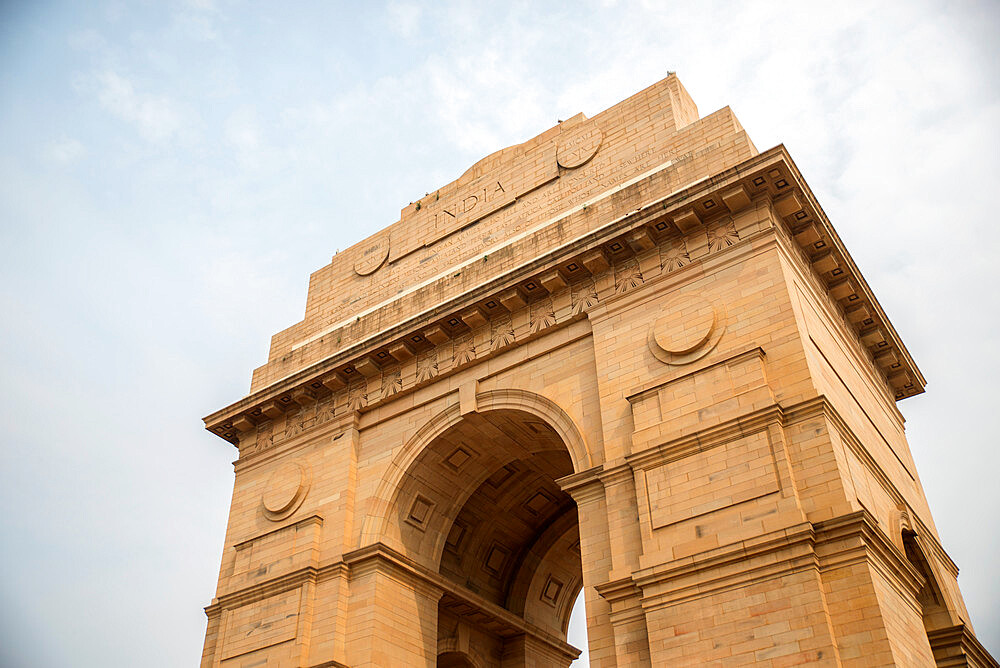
{"type": "Point", "coordinates": [630, 356]}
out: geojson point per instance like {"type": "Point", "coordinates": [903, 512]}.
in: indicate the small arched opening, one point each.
{"type": "Point", "coordinates": [932, 606]}
{"type": "Point", "coordinates": [454, 660]}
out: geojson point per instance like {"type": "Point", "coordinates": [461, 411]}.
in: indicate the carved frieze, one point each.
{"type": "Point", "coordinates": [502, 333]}
{"type": "Point", "coordinates": [265, 436]}
{"type": "Point", "coordinates": [542, 315]}
{"type": "Point", "coordinates": [674, 255]}
{"type": "Point", "coordinates": [357, 396]}
{"type": "Point", "coordinates": [464, 350]}
{"type": "Point", "coordinates": [721, 234]}
{"type": "Point", "coordinates": [627, 276]}
{"type": "Point", "coordinates": [427, 366]}
{"type": "Point", "coordinates": [392, 382]}
{"type": "Point", "coordinates": [584, 296]}
{"type": "Point", "coordinates": [612, 268]}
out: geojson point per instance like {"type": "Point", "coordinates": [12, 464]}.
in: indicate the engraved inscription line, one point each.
{"type": "Point", "coordinates": [493, 249]}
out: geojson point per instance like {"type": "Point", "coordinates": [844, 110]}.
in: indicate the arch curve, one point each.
{"type": "Point", "coordinates": [453, 654]}
{"type": "Point", "coordinates": [490, 400]}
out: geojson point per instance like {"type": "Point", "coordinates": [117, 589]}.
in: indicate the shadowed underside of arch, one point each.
{"type": "Point", "coordinates": [479, 505]}
{"type": "Point", "coordinates": [546, 421]}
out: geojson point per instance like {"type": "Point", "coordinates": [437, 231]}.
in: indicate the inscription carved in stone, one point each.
{"type": "Point", "coordinates": [578, 145]}
{"type": "Point", "coordinates": [373, 256]}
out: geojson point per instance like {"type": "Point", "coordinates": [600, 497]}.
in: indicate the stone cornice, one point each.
{"type": "Point", "coordinates": [381, 554]}
{"type": "Point", "coordinates": [738, 427]}
{"type": "Point", "coordinates": [259, 592]}
{"type": "Point", "coordinates": [583, 486]}
{"type": "Point", "coordinates": [853, 273]}
{"type": "Point", "coordinates": [311, 519]}
{"type": "Point", "coordinates": [856, 538]}
{"type": "Point", "coordinates": [771, 555]}
{"type": "Point", "coordinates": [822, 546]}
{"type": "Point", "coordinates": [642, 392]}
{"type": "Point", "coordinates": [823, 405]}
{"type": "Point", "coordinates": [602, 256]}
{"type": "Point", "coordinates": [625, 597]}
{"type": "Point", "coordinates": [958, 646]}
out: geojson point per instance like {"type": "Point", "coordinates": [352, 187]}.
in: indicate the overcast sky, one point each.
{"type": "Point", "coordinates": [170, 174]}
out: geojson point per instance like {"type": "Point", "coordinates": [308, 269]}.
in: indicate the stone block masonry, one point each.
{"type": "Point", "coordinates": [629, 357]}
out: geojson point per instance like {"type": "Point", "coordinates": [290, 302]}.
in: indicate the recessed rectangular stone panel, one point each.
{"type": "Point", "coordinates": [261, 624]}
{"type": "Point", "coordinates": [551, 590]}
{"type": "Point", "coordinates": [496, 559]}
{"type": "Point", "coordinates": [274, 553]}
{"type": "Point", "coordinates": [462, 203]}
{"type": "Point", "coordinates": [500, 477]}
{"type": "Point", "coordinates": [420, 512]}
{"type": "Point", "coordinates": [455, 536]}
{"type": "Point", "coordinates": [710, 480]}
{"type": "Point", "coordinates": [458, 458]}
{"type": "Point", "coordinates": [538, 502]}
{"type": "Point", "coordinates": [701, 398]}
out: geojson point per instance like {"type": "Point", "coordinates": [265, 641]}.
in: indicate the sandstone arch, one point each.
{"type": "Point", "coordinates": [524, 401]}
{"type": "Point", "coordinates": [478, 503]}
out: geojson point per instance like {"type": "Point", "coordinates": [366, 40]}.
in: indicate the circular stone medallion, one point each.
{"type": "Point", "coordinates": [576, 146]}
{"type": "Point", "coordinates": [687, 329]}
{"type": "Point", "coordinates": [285, 490]}
{"type": "Point", "coordinates": [373, 256]}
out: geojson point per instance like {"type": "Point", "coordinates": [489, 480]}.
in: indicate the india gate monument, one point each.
{"type": "Point", "coordinates": [629, 356]}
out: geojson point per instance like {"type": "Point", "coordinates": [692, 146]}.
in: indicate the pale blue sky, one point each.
{"type": "Point", "coordinates": [170, 174]}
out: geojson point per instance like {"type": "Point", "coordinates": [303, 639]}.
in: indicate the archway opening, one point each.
{"type": "Point", "coordinates": [576, 634]}
{"type": "Point", "coordinates": [454, 660]}
{"type": "Point", "coordinates": [932, 607]}
{"type": "Point", "coordinates": [481, 506]}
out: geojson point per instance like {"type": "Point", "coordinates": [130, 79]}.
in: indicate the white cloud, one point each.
{"type": "Point", "coordinates": [64, 151]}
{"type": "Point", "coordinates": [404, 18]}
{"type": "Point", "coordinates": [87, 40]}
{"type": "Point", "coordinates": [202, 5]}
{"type": "Point", "coordinates": [156, 117]}
{"type": "Point", "coordinates": [243, 133]}
{"type": "Point", "coordinates": [198, 20]}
